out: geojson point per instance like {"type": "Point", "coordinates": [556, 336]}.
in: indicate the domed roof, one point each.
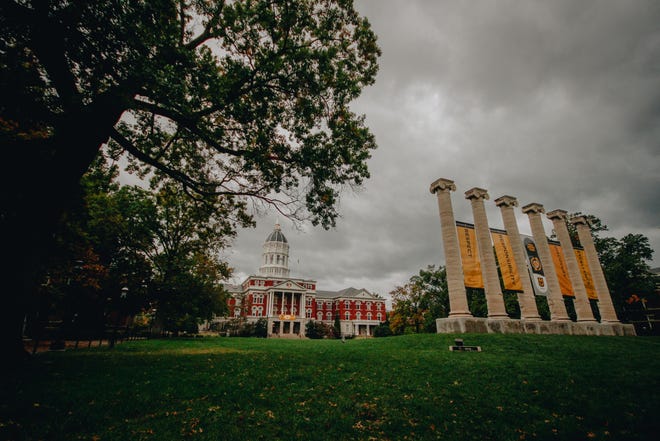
{"type": "Point", "coordinates": [276, 235]}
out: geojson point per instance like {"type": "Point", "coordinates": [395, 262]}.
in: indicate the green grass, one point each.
{"type": "Point", "coordinates": [410, 387]}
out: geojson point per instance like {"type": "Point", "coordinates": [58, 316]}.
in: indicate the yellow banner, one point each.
{"type": "Point", "coordinates": [561, 269]}
{"type": "Point", "coordinates": [467, 240]}
{"type": "Point", "coordinates": [508, 268]}
{"type": "Point", "coordinates": [581, 257]}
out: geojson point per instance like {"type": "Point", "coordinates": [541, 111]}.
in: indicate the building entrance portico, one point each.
{"type": "Point", "coordinates": [285, 326]}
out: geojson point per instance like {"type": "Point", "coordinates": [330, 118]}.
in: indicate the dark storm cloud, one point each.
{"type": "Point", "coordinates": [552, 102]}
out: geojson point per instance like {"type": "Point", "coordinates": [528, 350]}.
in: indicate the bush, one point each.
{"type": "Point", "coordinates": [383, 330]}
{"type": "Point", "coordinates": [261, 328]}
{"type": "Point", "coordinates": [317, 330]}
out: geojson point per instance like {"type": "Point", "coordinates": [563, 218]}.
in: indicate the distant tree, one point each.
{"type": "Point", "coordinates": [418, 303]}
{"type": "Point", "coordinates": [336, 327]}
{"type": "Point", "coordinates": [628, 274]}
{"type": "Point", "coordinates": [237, 99]}
{"type": "Point", "coordinates": [625, 265]}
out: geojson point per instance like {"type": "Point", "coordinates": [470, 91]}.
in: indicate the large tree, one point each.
{"type": "Point", "coordinates": [240, 99]}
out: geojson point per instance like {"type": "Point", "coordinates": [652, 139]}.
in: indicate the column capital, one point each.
{"type": "Point", "coordinates": [476, 193]}
{"type": "Point", "coordinates": [534, 207]}
{"type": "Point", "coordinates": [506, 201]}
{"type": "Point", "coordinates": [557, 214]}
{"type": "Point", "coordinates": [580, 220]}
{"type": "Point", "coordinates": [442, 184]}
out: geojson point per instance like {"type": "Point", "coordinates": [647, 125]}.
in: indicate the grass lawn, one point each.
{"type": "Point", "coordinates": [410, 387]}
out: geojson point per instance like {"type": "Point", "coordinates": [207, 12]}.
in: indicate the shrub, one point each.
{"type": "Point", "coordinates": [383, 330]}
{"type": "Point", "coordinates": [317, 330]}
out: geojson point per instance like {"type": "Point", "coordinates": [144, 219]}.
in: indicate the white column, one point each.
{"type": "Point", "coordinates": [555, 298]}
{"type": "Point", "coordinates": [582, 306]}
{"type": "Point", "coordinates": [528, 309]}
{"type": "Point", "coordinates": [458, 306]}
{"type": "Point", "coordinates": [605, 305]}
{"type": "Point", "coordinates": [494, 298]}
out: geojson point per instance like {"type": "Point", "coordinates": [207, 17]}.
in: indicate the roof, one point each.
{"type": "Point", "coordinates": [346, 293]}
{"type": "Point", "coordinates": [232, 288]}
{"type": "Point", "coordinates": [276, 235]}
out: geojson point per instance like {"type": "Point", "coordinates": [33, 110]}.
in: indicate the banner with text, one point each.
{"type": "Point", "coordinates": [561, 269]}
{"type": "Point", "coordinates": [535, 267]}
{"type": "Point", "coordinates": [504, 253]}
{"type": "Point", "coordinates": [581, 257]}
{"type": "Point", "coordinates": [467, 240]}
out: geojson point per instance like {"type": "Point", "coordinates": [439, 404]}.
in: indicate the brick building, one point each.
{"type": "Point", "coordinates": [288, 303]}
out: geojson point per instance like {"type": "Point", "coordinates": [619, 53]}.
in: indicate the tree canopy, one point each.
{"type": "Point", "coordinates": [233, 98]}
{"type": "Point", "coordinates": [247, 101]}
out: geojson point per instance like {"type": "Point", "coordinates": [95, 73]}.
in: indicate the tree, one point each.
{"type": "Point", "coordinates": [625, 265]}
{"type": "Point", "coordinates": [336, 327]}
{"type": "Point", "coordinates": [181, 239]}
{"type": "Point", "coordinates": [629, 277]}
{"type": "Point", "coordinates": [245, 100]}
{"type": "Point", "coordinates": [419, 302]}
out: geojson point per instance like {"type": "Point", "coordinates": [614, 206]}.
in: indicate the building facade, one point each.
{"type": "Point", "coordinates": [288, 303]}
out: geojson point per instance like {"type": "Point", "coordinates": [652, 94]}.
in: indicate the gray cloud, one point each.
{"type": "Point", "coordinates": [552, 102]}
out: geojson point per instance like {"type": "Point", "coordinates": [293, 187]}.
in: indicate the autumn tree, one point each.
{"type": "Point", "coordinates": [419, 302]}
{"type": "Point", "coordinates": [245, 100]}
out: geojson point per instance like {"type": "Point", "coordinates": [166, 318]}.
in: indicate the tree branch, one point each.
{"type": "Point", "coordinates": [188, 123]}
{"type": "Point", "coordinates": [207, 33]}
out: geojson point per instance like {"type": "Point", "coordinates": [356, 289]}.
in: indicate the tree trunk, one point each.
{"type": "Point", "coordinates": [40, 181]}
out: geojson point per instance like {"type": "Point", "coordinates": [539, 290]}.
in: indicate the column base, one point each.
{"type": "Point", "coordinates": [459, 314]}
{"type": "Point", "coordinates": [480, 325]}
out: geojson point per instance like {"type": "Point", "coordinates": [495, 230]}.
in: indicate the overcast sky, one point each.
{"type": "Point", "coordinates": [555, 102]}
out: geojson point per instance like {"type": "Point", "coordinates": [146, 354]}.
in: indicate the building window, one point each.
{"type": "Point", "coordinates": [358, 304]}
{"type": "Point", "coordinates": [368, 305]}
{"type": "Point", "coordinates": [380, 317]}
{"type": "Point", "coordinates": [309, 313]}
{"type": "Point", "coordinates": [308, 301]}
{"type": "Point", "coordinates": [358, 315]}
{"type": "Point", "coordinates": [294, 310]}
{"type": "Point", "coordinates": [237, 312]}
{"type": "Point", "coordinates": [319, 315]}
{"type": "Point", "coordinates": [347, 304]}
{"type": "Point", "coordinates": [347, 315]}
{"type": "Point", "coordinates": [369, 316]}
{"type": "Point", "coordinates": [319, 304]}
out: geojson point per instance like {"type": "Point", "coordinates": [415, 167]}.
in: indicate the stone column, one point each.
{"type": "Point", "coordinates": [555, 300]}
{"type": "Point", "coordinates": [607, 312]}
{"type": "Point", "coordinates": [528, 309]}
{"type": "Point", "coordinates": [494, 298]}
{"type": "Point", "coordinates": [458, 306]}
{"type": "Point", "coordinates": [582, 306]}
